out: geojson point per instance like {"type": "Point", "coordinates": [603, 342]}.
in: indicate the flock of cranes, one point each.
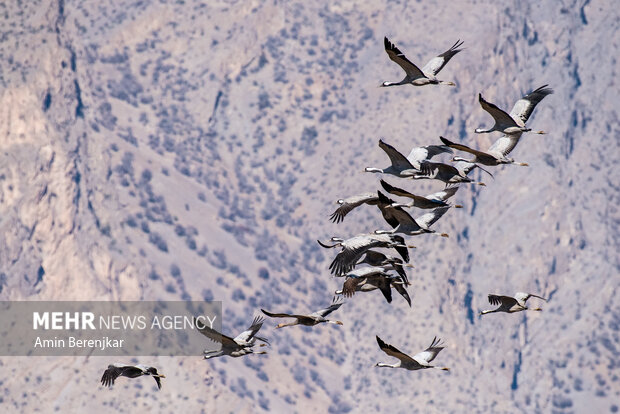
{"type": "Point", "coordinates": [366, 269]}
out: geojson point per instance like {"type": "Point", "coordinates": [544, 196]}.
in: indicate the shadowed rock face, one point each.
{"type": "Point", "coordinates": [194, 151]}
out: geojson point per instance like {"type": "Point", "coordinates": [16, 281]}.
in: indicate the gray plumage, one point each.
{"type": "Point", "coordinates": [491, 157]}
{"type": "Point", "coordinates": [398, 161]}
{"type": "Point", "coordinates": [354, 247]}
{"type": "Point", "coordinates": [443, 172]}
{"type": "Point", "coordinates": [421, 360]}
{"type": "Point", "coordinates": [377, 276]}
{"type": "Point", "coordinates": [130, 371]}
{"type": "Point", "coordinates": [514, 122]}
{"type": "Point", "coordinates": [413, 227]}
{"type": "Point", "coordinates": [414, 75]}
{"type": "Point", "coordinates": [380, 200]}
{"type": "Point", "coordinates": [238, 346]}
{"type": "Point", "coordinates": [511, 304]}
{"type": "Point", "coordinates": [350, 203]}
{"type": "Point", "coordinates": [419, 155]}
{"type": "Point", "coordinates": [308, 320]}
{"type": "Point", "coordinates": [371, 284]}
{"type": "Point", "coordinates": [374, 258]}
{"type": "Point", "coordinates": [425, 202]}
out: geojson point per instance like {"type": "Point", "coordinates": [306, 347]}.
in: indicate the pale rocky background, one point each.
{"type": "Point", "coordinates": [194, 150]}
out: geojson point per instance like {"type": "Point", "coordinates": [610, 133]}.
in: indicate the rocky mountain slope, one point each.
{"type": "Point", "coordinates": [193, 150]}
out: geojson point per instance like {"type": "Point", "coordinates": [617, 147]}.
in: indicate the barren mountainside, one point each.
{"type": "Point", "coordinates": [188, 150]}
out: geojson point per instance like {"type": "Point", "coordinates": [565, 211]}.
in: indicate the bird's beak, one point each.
{"type": "Point", "coordinates": [482, 184]}
{"type": "Point", "coordinates": [524, 164]}
{"type": "Point", "coordinates": [458, 206]}
{"type": "Point", "coordinates": [412, 247]}
{"type": "Point", "coordinates": [445, 369]}
{"type": "Point", "coordinates": [541, 132]}
{"type": "Point", "coordinates": [408, 265]}
{"type": "Point", "coordinates": [445, 235]}
{"type": "Point", "coordinates": [161, 376]}
{"type": "Point", "coordinates": [339, 323]}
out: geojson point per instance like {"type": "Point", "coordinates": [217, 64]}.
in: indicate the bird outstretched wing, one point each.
{"type": "Point", "coordinates": [348, 204]}
{"type": "Point", "coordinates": [428, 219]}
{"type": "Point", "coordinates": [432, 169]}
{"type": "Point", "coordinates": [499, 115]}
{"type": "Point", "coordinates": [248, 334]}
{"type": "Point", "coordinates": [397, 159]}
{"type": "Point", "coordinates": [437, 63]}
{"type": "Point", "coordinates": [402, 290]}
{"type": "Point", "coordinates": [522, 297]}
{"type": "Point", "coordinates": [395, 190]}
{"type": "Point", "coordinates": [353, 248]}
{"type": "Point", "coordinates": [336, 303]}
{"type": "Point", "coordinates": [213, 335]}
{"type": "Point", "coordinates": [398, 57]}
{"type": "Point", "coordinates": [419, 154]}
{"type": "Point", "coordinates": [524, 107]}
{"type": "Point", "coordinates": [350, 285]}
{"type": "Point", "coordinates": [501, 300]}
{"type": "Point", "coordinates": [505, 144]}
{"type": "Point", "coordinates": [280, 315]}
{"type": "Point", "coordinates": [482, 156]}
{"type": "Point", "coordinates": [443, 195]}
{"type": "Point", "coordinates": [375, 258]}
{"type": "Point", "coordinates": [384, 283]}
{"type": "Point", "coordinates": [393, 215]}
{"type": "Point", "coordinates": [429, 353]}
{"type": "Point", "coordinates": [393, 351]}
{"type": "Point", "coordinates": [110, 375]}
{"type": "Point", "coordinates": [115, 370]}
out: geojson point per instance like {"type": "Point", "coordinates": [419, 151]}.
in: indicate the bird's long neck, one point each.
{"type": "Point", "coordinates": [334, 322]}
{"type": "Point", "coordinates": [373, 170]}
{"type": "Point", "coordinates": [483, 131]}
{"type": "Point", "coordinates": [463, 159]}
{"type": "Point", "coordinates": [387, 231]}
{"type": "Point", "coordinates": [213, 354]}
{"type": "Point", "coordinates": [381, 364]}
{"type": "Point", "coordinates": [484, 312]}
{"type": "Point", "coordinates": [282, 325]}
{"type": "Point", "coordinates": [386, 83]}
{"type": "Point", "coordinates": [447, 83]}
{"type": "Point", "coordinates": [403, 205]}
